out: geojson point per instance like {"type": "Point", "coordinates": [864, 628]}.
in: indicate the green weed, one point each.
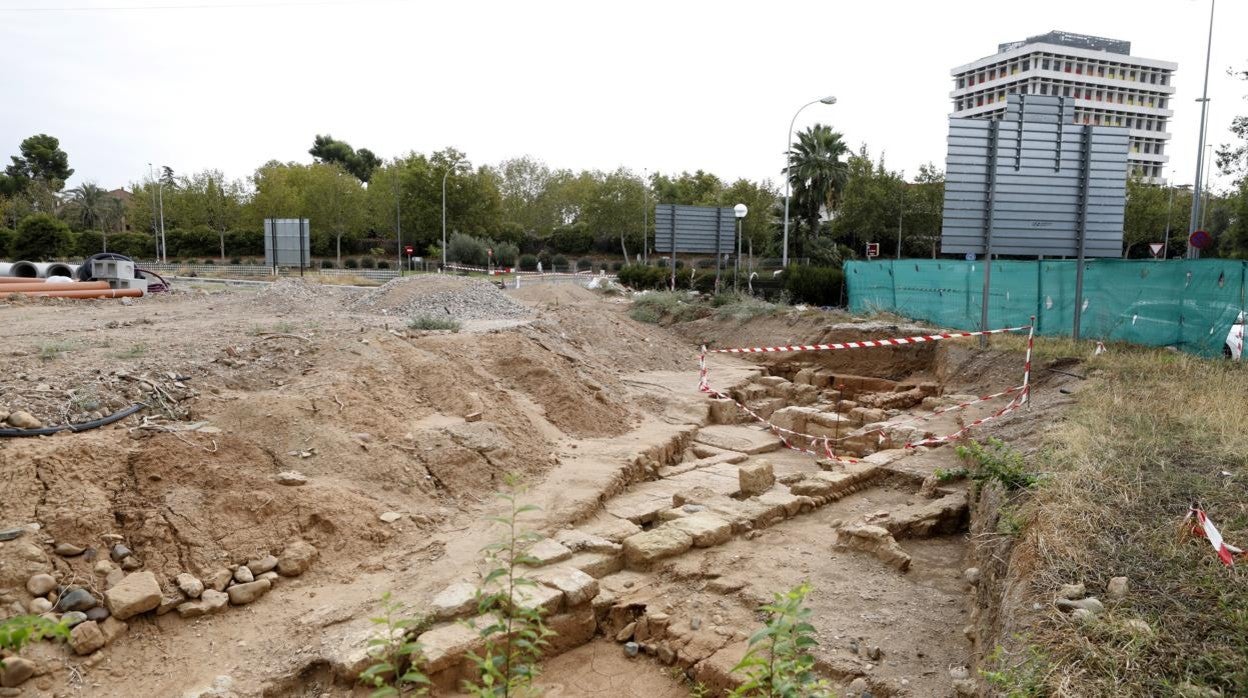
{"type": "Point", "coordinates": [396, 656]}
{"type": "Point", "coordinates": [778, 663]}
{"type": "Point", "coordinates": [996, 463]}
{"type": "Point", "coordinates": [429, 322]}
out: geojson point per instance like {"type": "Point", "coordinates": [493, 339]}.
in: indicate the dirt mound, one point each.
{"type": "Point", "coordinates": [440, 295]}
{"type": "Point", "coordinates": [297, 295]}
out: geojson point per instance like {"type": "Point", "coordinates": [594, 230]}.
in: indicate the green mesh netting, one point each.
{"type": "Point", "coordinates": [1188, 304]}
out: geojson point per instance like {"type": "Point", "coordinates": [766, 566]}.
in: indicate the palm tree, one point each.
{"type": "Point", "coordinates": [816, 173]}
{"type": "Point", "coordinates": [89, 202]}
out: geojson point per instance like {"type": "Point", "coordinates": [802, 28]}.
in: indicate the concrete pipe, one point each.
{"type": "Point", "coordinates": [24, 269]}
{"type": "Point", "coordinates": [106, 293]}
{"type": "Point", "coordinates": [59, 269]}
{"type": "Point", "coordinates": [5, 269]}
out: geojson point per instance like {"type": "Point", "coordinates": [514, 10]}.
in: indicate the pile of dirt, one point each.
{"type": "Point", "coordinates": [299, 295]}
{"type": "Point", "coordinates": [454, 297]}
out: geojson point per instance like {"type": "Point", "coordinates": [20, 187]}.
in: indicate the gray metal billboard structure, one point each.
{"type": "Point", "coordinates": [287, 242]}
{"type": "Point", "coordinates": [1034, 184]}
{"type": "Point", "coordinates": [703, 229]}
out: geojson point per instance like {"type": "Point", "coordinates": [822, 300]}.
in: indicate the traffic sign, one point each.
{"type": "Point", "coordinates": [1200, 239]}
{"type": "Point", "coordinates": [1155, 248]}
{"type": "Point", "coordinates": [873, 249]}
{"type": "Point", "coordinates": [409, 250]}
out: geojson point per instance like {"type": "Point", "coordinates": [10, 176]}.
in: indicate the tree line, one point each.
{"type": "Point", "coordinates": [357, 202]}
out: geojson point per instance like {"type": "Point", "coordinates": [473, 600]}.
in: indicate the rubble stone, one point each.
{"type": "Point", "coordinates": [137, 593]}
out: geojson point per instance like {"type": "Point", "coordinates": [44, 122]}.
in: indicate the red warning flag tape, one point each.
{"type": "Point", "coordinates": [895, 341]}
{"type": "Point", "coordinates": [1205, 529]}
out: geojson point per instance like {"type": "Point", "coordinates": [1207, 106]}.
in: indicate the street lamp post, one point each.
{"type": "Point", "coordinates": [739, 210]}
{"type": "Point", "coordinates": [788, 145]}
{"type": "Point", "coordinates": [163, 252]}
{"type": "Point", "coordinates": [449, 169]}
{"type": "Point", "coordinates": [1192, 252]}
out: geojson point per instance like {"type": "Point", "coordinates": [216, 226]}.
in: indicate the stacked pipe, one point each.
{"type": "Point", "coordinates": [41, 288]}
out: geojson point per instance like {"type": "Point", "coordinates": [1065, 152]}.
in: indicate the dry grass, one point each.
{"type": "Point", "coordinates": [1153, 432]}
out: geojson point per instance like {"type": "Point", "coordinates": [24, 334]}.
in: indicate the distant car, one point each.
{"type": "Point", "coordinates": [1234, 347]}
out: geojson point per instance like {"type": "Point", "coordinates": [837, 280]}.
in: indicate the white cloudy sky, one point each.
{"type": "Point", "coordinates": [662, 86]}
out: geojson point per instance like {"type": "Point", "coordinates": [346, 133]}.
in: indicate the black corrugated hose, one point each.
{"type": "Point", "coordinates": [102, 421]}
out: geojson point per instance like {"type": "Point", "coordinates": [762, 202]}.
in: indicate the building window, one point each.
{"type": "Point", "coordinates": [1044, 63]}
{"type": "Point", "coordinates": [1027, 64]}
{"type": "Point", "coordinates": [1044, 88]}
{"type": "Point", "coordinates": [1066, 91]}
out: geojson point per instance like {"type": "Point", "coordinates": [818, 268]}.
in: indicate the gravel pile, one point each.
{"type": "Point", "coordinates": [296, 294]}
{"type": "Point", "coordinates": [442, 296]}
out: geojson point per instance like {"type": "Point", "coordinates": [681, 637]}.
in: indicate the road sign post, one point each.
{"type": "Point", "coordinates": [873, 250]}
{"type": "Point", "coordinates": [1155, 248]}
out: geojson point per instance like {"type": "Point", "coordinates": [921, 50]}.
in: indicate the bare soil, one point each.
{"type": "Point", "coordinates": [596, 412]}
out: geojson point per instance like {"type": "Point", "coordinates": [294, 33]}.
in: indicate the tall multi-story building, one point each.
{"type": "Point", "coordinates": [1109, 87]}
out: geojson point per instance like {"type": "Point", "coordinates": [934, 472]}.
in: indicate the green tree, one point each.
{"type": "Point", "coordinates": [524, 186]}
{"type": "Point", "coordinates": [697, 189]}
{"type": "Point", "coordinates": [1148, 210]}
{"type": "Point", "coordinates": [817, 174]}
{"type": "Point", "coordinates": [41, 162]}
{"type": "Point", "coordinates": [41, 237]}
{"type": "Point", "coordinates": [924, 202]}
{"type": "Point", "coordinates": [758, 229]}
{"type": "Point", "coordinates": [87, 205]}
{"type": "Point", "coordinates": [870, 202]}
{"type": "Point", "coordinates": [614, 211]}
{"type": "Point", "coordinates": [360, 163]}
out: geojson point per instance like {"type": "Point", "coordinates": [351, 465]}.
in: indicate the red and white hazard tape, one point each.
{"type": "Point", "coordinates": [1205, 529]}
{"type": "Point", "coordinates": [781, 431]}
{"type": "Point", "coordinates": [866, 344]}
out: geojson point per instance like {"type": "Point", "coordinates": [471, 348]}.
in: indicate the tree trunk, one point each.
{"type": "Point", "coordinates": [338, 242]}
{"type": "Point", "coordinates": [624, 248]}
{"type": "Point", "coordinates": [221, 234]}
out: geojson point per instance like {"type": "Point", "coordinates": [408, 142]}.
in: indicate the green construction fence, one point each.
{"type": "Point", "coordinates": [1188, 304]}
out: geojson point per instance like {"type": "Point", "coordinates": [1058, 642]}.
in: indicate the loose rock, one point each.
{"type": "Point", "coordinates": [40, 605]}
{"type": "Point", "coordinates": [131, 564]}
{"type": "Point", "coordinates": [212, 601]}
{"type": "Point", "coordinates": [189, 585]}
{"type": "Point", "coordinates": [291, 478]}
{"type": "Point", "coordinates": [971, 575]}
{"type": "Point", "coordinates": [1082, 615]}
{"type": "Point", "coordinates": [631, 648]}
{"type": "Point", "coordinates": [1117, 588]}
{"type": "Point", "coordinates": [137, 593]}
{"type": "Point", "coordinates": [119, 553]}
{"type": "Point", "coordinates": [262, 565]}
{"type": "Point", "coordinates": [16, 671]}
{"type": "Point", "coordinates": [68, 550]}
{"type": "Point", "coordinates": [86, 637]}
{"type": "Point", "coordinates": [40, 584]}
{"type": "Point", "coordinates": [390, 517]}
{"type": "Point", "coordinates": [1091, 604]}
{"type": "Point", "coordinates": [10, 534]}
{"type": "Point", "coordinates": [24, 420]}
{"type": "Point", "coordinates": [243, 594]}
{"type": "Point", "coordinates": [243, 575]}
{"type": "Point", "coordinates": [74, 618]}
{"type": "Point", "coordinates": [217, 580]}
{"type": "Point", "coordinates": [296, 559]}
{"type": "Point", "coordinates": [97, 613]}
{"type": "Point", "coordinates": [1072, 591]}
{"type": "Point", "coordinates": [75, 599]}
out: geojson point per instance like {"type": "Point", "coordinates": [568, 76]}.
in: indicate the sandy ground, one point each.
{"type": "Point", "coordinates": [245, 384]}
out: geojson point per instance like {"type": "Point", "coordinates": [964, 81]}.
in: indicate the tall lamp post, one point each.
{"type": "Point", "coordinates": [449, 170]}
{"type": "Point", "coordinates": [1192, 252]}
{"type": "Point", "coordinates": [788, 145]}
{"type": "Point", "coordinates": [162, 253]}
{"type": "Point", "coordinates": [739, 211]}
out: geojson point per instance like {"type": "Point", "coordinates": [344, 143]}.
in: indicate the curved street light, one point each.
{"type": "Point", "coordinates": [788, 146]}
{"type": "Point", "coordinates": [451, 168]}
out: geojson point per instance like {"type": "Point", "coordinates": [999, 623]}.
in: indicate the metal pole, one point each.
{"type": "Point", "coordinates": [645, 219]}
{"type": "Point", "coordinates": [1204, 207]}
{"type": "Point", "coordinates": [164, 244]}
{"type": "Point", "coordinates": [1165, 250]}
{"type": "Point", "coordinates": [993, 137]}
{"type": "Point", "coordinates": [1083, 228]}
{"type": "Point", "coordinates": [736, 264]}
{"type": "Point", "coordinates": [398, 225]}
{"type": "Point", "coordinates": [788, 145]}
{"type": "Point", "coordinates": [448, 173]}
{"type": "Point", "coordinates": [155, 230]}
{"type": "Point", "coordinates": [719, 215]}
{"type": "Point", "coordinates": [901, 209]}
{"type": "Point", "coordinates": [1192, 252]}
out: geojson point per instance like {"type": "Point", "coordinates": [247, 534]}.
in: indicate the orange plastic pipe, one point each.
{"type": "Point", "coordinates": [105, 293]}
{"type": "Point", "coordinates": [42, 288]}
{"type": "Point", "coordinates": [20, 280]}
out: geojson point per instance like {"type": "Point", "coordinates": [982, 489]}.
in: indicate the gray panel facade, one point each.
{"type": "Point", "coordinates": [287, 241]}
{"type": "Point", "coordinates": [1039, 184]}
{"type": "Point", "coordinates": [694, 228]}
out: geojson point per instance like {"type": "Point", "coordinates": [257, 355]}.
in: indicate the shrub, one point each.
{"type": "Point", "coordinates": [616, 266]}
{"type": "Point", "coordinates": [528, 262]}
{"type": "Point", "coordinates": [778, 662]}
{"type": "Point", "coordinates": [572, 239]}
{"type": "Point", "coordinates": [430, 322]}
{"type": "Point", "coordinates": [558, 262]}
{"type": "Point", "coordinates": [209, 261]}
{"type": "Point", "coordinates": [18, 631]}
{"type": "Point", "coordinates": [245, 242]}
{"type": "Point", "coordinates": [584, 263]}
{"type": "Point", "coordinates": [41, 237]}
{"type": "Point", "coordinates": [367, 262]}
{"type": "Point", "coordinates": [505, 254]}
{"type": "Point", "coordinates": [87, 243]}
{"type": "Point", "coordinates": [238, 260]}
{"type": "Point", "coordinates": [396, 667]}
{"type": "Point", "coordinates": [383, 264]}
{"type": "Point", "coordinates": [6, 240]}
{"type": "Point", "coordinates": [325, 263]}
{"type": "Point", "coordinates": [516, 638]}
{"type": "Point", "coordinates": [704, 263]}
{"type": "Point", "coordinates": [997, 463]}
{"type": "Point", "coordinates": [819, 286]}
{"type": "Point", "coordinates": [465, 249]}
{"type": "Point", "coordinates": [350, 263]}
{"type": "Point", "coordinates": [641, 277]}
{"type": "Point", "coordinates": [133, 245]}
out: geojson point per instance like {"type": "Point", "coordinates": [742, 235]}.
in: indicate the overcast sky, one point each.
{"type": "Point", "coordinates": [667, 86]}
